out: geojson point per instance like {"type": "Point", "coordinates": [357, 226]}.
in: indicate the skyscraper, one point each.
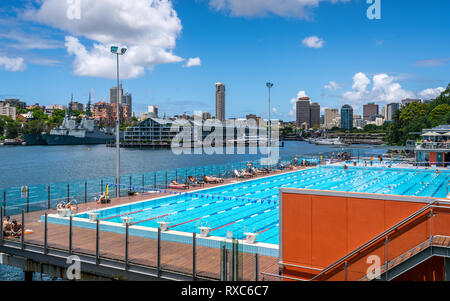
{"type": "Point", "coordinates": [113, 94]}
{"type": "Point", "coordinates": [315, 114]}
{"type": "Point", "coordinates": [390, 111]}
{"type": "Point", "coordinates": [370, 109]}
{"type": "Point", "coordinates": [347, 117]}
{"type": "Point", "coordinates": [220, 102]}
{"type": "Point", "coordinates": [303, 112]}
{"type": "Point", "coordinates": [128, 101]}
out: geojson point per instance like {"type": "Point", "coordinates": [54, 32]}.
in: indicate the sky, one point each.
{"type": "Point", "coordinates": [328, 50]}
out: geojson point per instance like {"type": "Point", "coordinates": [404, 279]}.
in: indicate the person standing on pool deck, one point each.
{"type": "Point", "coordinates": [371, 161]}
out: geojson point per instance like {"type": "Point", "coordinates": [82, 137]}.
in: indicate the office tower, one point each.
{"type": "Point", "coordinates": [7, 110]}
{"type": "Point", "coordinates": [330, 116]}
{"type": "Point", "coordinates": [369, 110]}
{"type": "Point", "coordinates": [127, 100]}
{"type": "Point", "coordinates": [153, 111]}
{"type": "Point", "coordinates": [220, 102]}
{"type": "Point", "coordinates": [303, 112]}
{"type": "Point", "coordinates": [347, 117]}
{"type": "Point", "coordinates": [390, 111]}
{"type": "Point", "coordinates": [315, 115]}
{"type": "Point", "coordinates": [113, 94]}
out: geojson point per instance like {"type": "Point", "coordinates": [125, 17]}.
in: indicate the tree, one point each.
{"type": "Point", "coordinates": [12, 129]}
{"type": "Point", "coordinates": [440, 115]}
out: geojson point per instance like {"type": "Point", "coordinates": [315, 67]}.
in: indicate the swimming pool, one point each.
{"type": "Point", "coordinates": [252, 206]}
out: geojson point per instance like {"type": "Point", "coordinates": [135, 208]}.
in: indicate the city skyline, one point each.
{"type": "Point", "coordinates": [374, 64]}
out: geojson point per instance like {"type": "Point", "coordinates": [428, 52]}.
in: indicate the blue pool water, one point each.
{"type": "Point", "coordinates": [253, 205]}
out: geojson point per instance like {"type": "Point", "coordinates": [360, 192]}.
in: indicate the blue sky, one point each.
{"type": "Point", "coordinates": [45, 56]}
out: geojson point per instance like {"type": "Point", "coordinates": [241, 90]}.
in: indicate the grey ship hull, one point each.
{"type": "Point", "coordinates": [34, 139]}
{"type": "Point", "coordinates": [71, 140]}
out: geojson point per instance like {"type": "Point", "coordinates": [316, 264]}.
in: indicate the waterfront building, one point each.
{"type": "Point", "coordinates": [347, 117]}
{"type": "Point", "coordinates": [330, 116]}
{"type": "Point", "coordinates": [220, 102]}
{"type": "Point", "coordinates": [390, 111]}
{"type": "Point", "coordinates": [435, 146]}
{"type": "Point", "coordinates": [369, 110]}
{"type": "Point", "coordinates": [102, 113]}
{"type": "Point", "coordinates": [7, 110]}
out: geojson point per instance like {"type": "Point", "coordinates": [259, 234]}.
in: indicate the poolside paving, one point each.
{"type": "Point", "coordinates": [143, 251]}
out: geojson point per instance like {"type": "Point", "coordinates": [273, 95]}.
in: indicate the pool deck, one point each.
{"type": "Point", "coordinates": [143, 251]}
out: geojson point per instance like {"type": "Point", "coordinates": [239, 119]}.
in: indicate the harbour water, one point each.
{"type": "Point", "coordinates": [32, 165]}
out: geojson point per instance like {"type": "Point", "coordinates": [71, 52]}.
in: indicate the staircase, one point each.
{"type": "Point", "coordinates": [414, 240]}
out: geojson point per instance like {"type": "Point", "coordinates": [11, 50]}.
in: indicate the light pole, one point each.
{"type": "Point", "coordinates": [115, 50]}
{"type": "Point", "coordinates": [269, 141]}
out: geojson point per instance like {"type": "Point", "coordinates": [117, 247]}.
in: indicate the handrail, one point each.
{"type": "Point", "coordinates": [284, 277]}
{"type": "Point", "coordinates": [298, 266]}
{"type": "Point", "coordinates": [375, 239]}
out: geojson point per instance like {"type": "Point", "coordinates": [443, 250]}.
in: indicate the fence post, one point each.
{"type": "Point", "coordinates": [194, 256]}
{"type": "Point", "coordinates": [68, 193]}
{"type": "Point", "coordinates": [45, 233]}
{"type": "Point", "coordinates": [22, 237]}
{"type": "Point", "coordinates": [97, 243]}
{"type": "Point", "coordinates": [101, 184]}
{"type": "Point", "coordinates": [126, 246]}
{"type": "Point", "coordinates": [159, 253]}
{"type": "Point", "coordinates": [154, 180]}
{"type": "Point", "coordinates": [48, 197]}
{"type": "Point", "coordinates": [1, 232]}
{"type": "Point", "coordinates": [166, 181]}
{"type": "Point", "coordinates": [28, 200]}
{"type": "Point", "coordinates": [85, 192]}
{"type": "Point", "coordinates": [256, 267]}
{"type": "Point", "coordinates": [70, 235]}
{"type": "Point", "coordinates": [387, 258]}
{"type": "Point", "coordinates": [143, 183]}
{"type": "Point", "coordinates": [4, 200]}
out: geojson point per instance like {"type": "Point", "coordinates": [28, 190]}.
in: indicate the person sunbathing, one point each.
{"type": "Point", "coordinates": [178, 185]}
{"type": "Point", "coordinates": [212, 180]}
{"type": "Point", "coordinates": [193, 181]}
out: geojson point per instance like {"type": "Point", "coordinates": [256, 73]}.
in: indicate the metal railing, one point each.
{"type": "Point", "coordinates": [101, 245]}
{"type": "Point", "coordinates": [381, 241]}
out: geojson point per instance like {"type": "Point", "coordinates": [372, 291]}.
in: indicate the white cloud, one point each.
{"type": "Point", "coordinates": [148, 28]}
{"type": "Point", "coordinates": [293, 102]}
{"type": "Point", "coordinates": [385, 89]}
{"type": "Point", "coordinates": [12, 64]}
{"type": "Point", "coordinates": [432, 62]}
{"type": "Point", "coordinates": [284, 8]}
{"type": "Point", "coordinates": [332, 86]}
{"type": "Point", "coordinates": [192, 62]}
{"type": "Point", "coordinates": [431, 93]}
{"type": "Point", "coordinates": [313, 42]}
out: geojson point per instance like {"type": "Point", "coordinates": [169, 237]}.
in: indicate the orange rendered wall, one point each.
{"type": "Point", "coordinates": [433, 157]}
{"type": "Point", "coordinates": [318, 230]}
